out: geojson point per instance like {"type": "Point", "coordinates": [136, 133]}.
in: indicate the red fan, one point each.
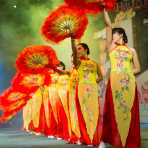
{"type": "Point", "coordinates": [64, 22]}
{"type": "Point", "coordinates": [12, 95]}
{"type": "Point", "coordinates": [30, 82]}
{"type": "Point", "coordinates": [11, 101]}
{"type": "Point", "coordinates": [92, 6]}
{"type": "Point", "coordinates": [36, 59]}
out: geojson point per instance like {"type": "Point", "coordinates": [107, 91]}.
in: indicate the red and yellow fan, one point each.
{"type": "Point", "coordinates": [31, 82]}
{"type": "Point", "coordinates": [36, 59]}
{"type": "Point", "coordinates": [11, 101]}
{"type": "Point", "coordinates": [92, 6]}
{"type": "Point", "coordinates": [64, 22]}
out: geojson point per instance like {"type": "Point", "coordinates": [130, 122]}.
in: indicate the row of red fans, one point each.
{"type": "Point", "coordinates": [34, 66]}
{"type": "Point", "coordinates": [35, 63]}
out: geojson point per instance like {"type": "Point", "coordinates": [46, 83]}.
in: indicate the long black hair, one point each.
{"type": "Point", "coordinates": [85, 46]}
{"type": "Point", "coordinates": [121, 31]}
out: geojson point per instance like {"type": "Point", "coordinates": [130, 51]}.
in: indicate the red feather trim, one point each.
{"type": "Point", "coordinates": [92, 6]}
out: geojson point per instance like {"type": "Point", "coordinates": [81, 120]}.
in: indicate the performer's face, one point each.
{"type": "Point", "coordinates": [81, 51]}
{"type": "Point", "coordinates": [117, 38]}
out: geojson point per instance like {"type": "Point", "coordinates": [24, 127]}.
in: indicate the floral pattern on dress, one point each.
{"type": "Point", "coordinates": [121, 57]}
{"type": "Point", "coordinates": [87, 70]}
{"type": "Point", "coordinates": [120, 93]}
{"type": "Point", "coordinates": [123, 88]}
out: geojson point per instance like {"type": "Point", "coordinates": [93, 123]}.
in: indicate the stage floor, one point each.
{"type": "Point", "coordinates": [16, 138]}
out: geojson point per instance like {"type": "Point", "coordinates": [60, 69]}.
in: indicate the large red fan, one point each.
{"type": "Point", "coordinates": [64, 22]}
{"type": "Point", "coordinates": [11, 101]}
{"type": "Point", "coordinates": [36, 59]}
{"type": "Point", "coordinates": [92, 6]}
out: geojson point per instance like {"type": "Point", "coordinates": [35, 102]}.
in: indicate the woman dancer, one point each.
{"type": "Point", "coordinates": [121, 110]}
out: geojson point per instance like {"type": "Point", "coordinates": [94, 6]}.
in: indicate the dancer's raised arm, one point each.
{"type": "Point", "coordinates": [108, 29]}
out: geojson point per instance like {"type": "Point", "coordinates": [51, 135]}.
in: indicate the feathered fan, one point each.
{"type": "Point", "coordinates": [11, 101]}
{"type": "Point", "coordinates": [30, 82]}
{"type": "Point", "coordinates": [36, 59]}
{"type": "Point", "coordinates": [64, 22]}
{"type": "Point", "coordinates": [92, 6]}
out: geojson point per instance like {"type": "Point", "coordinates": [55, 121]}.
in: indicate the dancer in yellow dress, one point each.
{"type": "Point", "coordinates": [47, 112]}
{"type": "Point", "coordinates": [84, 98]}
{"type": "Point", "coordinates": [121, 126]}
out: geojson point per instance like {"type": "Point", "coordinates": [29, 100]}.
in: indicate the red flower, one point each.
{"type": "Point", "coordinates": [64, 22]}
{"type": "Point", "coordinates": [36, 59]}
